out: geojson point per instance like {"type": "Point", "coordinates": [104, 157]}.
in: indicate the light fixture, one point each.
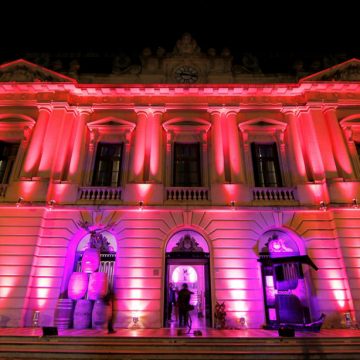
{"type": "Point", "coordinates": [36, 318]}
{"type": "Point", "coordinates": [323, 206]}
{"type": "Point", "coordinates": [355, 203]}
{"type": "Point", "coordinates": [19, 201]}
{"type": "Point", "coordinates": [141, 205]}
{"type": "Point", "coordinates": [51, 204]}
{"type": "Point", "coordinates": [242, 322]}
{"type": "Point", "coordinates": [135, 321]}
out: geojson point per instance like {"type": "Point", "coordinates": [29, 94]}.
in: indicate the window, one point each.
{"type": "Point", "coordinates": [358, 148]}
{"type": "Point", "coordinates": [186, 164]}
{"type": "Point", "coordinates": [187, 154]}
{"type": "Point", "coordinates": [8, 153]}
{"type": "Point", "coordinates": [266, 165]}
{"type": "Point", "coordinates": [107, 170]}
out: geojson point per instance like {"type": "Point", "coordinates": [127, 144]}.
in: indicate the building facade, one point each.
{"type": "Point", "coordinates": [246, 192]}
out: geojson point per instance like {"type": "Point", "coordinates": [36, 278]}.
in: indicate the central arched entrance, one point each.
{"type": "Point", "coordinates": [187, 260]}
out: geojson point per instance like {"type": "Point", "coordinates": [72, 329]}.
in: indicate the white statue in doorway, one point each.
{"type": "Point", "coordinates": [185, 274]}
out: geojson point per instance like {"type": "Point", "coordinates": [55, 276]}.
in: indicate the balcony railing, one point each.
{"type": "Point", "coordinates": [100, 193]}
{"type": "Point", "coordinates": [276, 194]}
{"type": "Point", "coordinates": [187, 193]}
{"type": "Point", "coordinates": [3, 188]}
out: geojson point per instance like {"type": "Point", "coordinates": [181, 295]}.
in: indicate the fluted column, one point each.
{"type": "Point", "coordinates": [342, 159]}
{"type": "Point", "coordinates": [156, 149]}
{"type": "Point", "coordinates": [236, 162]}
{"type": "Point", "coordinates": [33, 156]}
{"type": "Point", "coordinates": [94, 135]}
{"type": "Point", "coordinates": [299, 174]}
{"type": "Point", "coordinates": [313, 151]}
{"type": "Point", "coordinates": [138, 155]}
{"type": "Point", "coordinates": [76, 164]}
{"type": "Point", "coordinates": [217, 149]}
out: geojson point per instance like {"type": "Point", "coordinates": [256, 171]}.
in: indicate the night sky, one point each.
{"type": "Point", "coordinates": [298, 29]}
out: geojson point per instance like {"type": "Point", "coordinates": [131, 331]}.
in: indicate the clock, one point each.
{"type": "Point", "coordinates": [186, 74]}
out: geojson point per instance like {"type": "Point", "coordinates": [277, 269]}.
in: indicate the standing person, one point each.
{"type": "Point", "coordinates": [171, 300]}
{"type": "Point", "coordinates": [184, 304]}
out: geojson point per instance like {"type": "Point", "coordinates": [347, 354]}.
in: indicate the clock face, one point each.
{"type": "Point", "coordinates": [186, 74]}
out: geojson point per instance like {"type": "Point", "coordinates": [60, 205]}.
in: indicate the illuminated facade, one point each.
{"type": "Point", "coordinates": [241, 191]}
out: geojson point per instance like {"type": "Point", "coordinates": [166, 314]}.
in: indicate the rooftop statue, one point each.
{"type": "Point", "coordinates": [186, 45]}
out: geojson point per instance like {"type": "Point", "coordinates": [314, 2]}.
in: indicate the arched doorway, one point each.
{"type": "Point", "coordinates": [187, 260]}
{"type": "Point", "coordinates": [285, 286]}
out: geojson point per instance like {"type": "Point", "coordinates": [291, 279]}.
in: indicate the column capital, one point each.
{"type": "Point", "coordinates": [44, 108]}
{"type": "Point", "coordinates": [227, 110]}
{"type": "Point", "coordinates": [327, 108]}
{"type": "Point", "coordinates": [289, 110]}
{"type": "Point", "coordinates": [148, 110]}
{"type": "Point", "coordinates": [84, 110]}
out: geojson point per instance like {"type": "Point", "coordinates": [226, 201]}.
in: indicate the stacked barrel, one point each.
{"type": "Point", "coordinates": [87, 289]}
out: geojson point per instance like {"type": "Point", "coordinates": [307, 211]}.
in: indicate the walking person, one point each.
{"type": "Point", "coordinates": [183, 301]}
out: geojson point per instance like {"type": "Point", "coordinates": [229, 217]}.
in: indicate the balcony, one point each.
{"type": "Point", "coordinates": [274, 196]}
{"type": "Point", "coordinates": [99, 193]}
{"type": "Point", "coordinates": [187, 194]}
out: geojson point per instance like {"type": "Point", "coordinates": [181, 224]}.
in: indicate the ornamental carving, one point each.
{"type": "Point", "coordinates": [187, 244]}
{"type": "Point", "coordinates": [24, 71]}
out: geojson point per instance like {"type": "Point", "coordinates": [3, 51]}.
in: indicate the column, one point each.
{"type": "Point", "coordinates": [77, 158]}
{"type": "Point", "coordinates": [89, 165]}
{"type": "Point", "coordinates": [217, 149]}
{"type": "Point", "coordinates": [236, 162]}
{"type": "Point", "coordinates": [156, 148]}
{"type": "Point", "coordinates": [33, 156]}
{"type": "Point", "coordinates": [341, 155]}
{"type": "Point", "coordinates": [299, 175]}
{"type": "Point", "coordinates": [138, 155]}
{"type": "Point", "coordinates": [312, 147]}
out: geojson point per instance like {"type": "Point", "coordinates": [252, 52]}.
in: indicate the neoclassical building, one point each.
{"type": "Point", "coordinates": [180, 171]}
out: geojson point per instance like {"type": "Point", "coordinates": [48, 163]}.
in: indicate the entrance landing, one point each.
{"type": "Point", "coordinates": [28, 343]}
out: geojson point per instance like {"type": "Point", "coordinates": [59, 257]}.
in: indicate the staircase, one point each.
{"type": "Point", "coordinates": [93, 344]}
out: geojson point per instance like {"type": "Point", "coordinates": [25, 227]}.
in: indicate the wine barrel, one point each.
{"type": "Point", "coordinates": [82, 314]}
{"type": "Point", "coordinates": [98, 285]}
{"type": "Point", "coordinates": [63, 316]}
{"type": "Point", "coordinates": [101, 315]}
{"type": "Point", "coordinates": [91, 260]}
{"type": "Point", "coordinates": [78, 285]}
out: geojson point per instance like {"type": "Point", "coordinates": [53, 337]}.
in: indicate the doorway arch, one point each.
{"type": "Point", "coordinates": [286, 292]}
{"type": "Point", "coordinates": [187, 260]}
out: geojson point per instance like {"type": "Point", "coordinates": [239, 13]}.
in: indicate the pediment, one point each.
{"type": "Point", "coordinates": [346, 71]}
{"type": "Point", "coordinates": [111, 124]}
{"type": "Point", "coordinates": [186, 124]}
{"type": "Point", "coordinates": [25, 71]}
{"type": "Point", "coordinates": [262, 124]}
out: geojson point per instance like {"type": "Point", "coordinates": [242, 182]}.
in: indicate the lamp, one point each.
{"type": "Point", "coordinates": [36, 318]}
{"type": "Point", "coordinates": [19, 201]}
{"type": "Point", "coordinates": [51, 204]}
{"type": "Point", "coordinates": [355, 203]}
{"type": "Point", "coordinates": [242, 322]}
{"type": "Point", "coordinates": [323, 206]}
{"type": "Point", "coordinates": [135, 321]}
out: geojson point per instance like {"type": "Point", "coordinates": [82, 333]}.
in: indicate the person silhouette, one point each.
{"type": "Point", "coordinates": [184, 297]}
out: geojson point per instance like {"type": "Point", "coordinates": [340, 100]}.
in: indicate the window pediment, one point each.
{"type": "Point", "coordinates": [110, 128]}
{"type": "Point", "coordinates": [263, 125]}
{"type": "Point", "coordinates": [187, 125]}
{"type": "Point", "coordinates": [263, 130]}
{"type": "Point", "coordinates": [15, 127]}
